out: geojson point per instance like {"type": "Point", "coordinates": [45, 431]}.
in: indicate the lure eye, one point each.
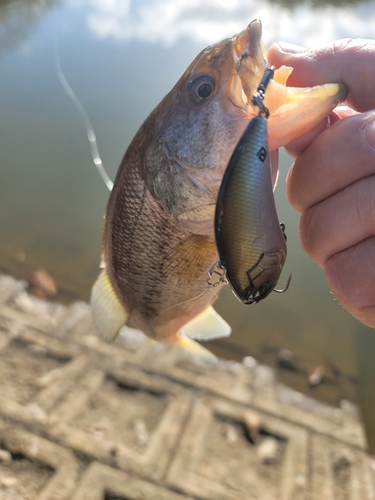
{"type": "Point", "coordinates": [200, 88]}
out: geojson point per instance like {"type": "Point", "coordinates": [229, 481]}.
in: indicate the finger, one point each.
{"type": "Point", "coordinates": [339, 156]}
{"type": "Point", "coordinates": [351, 275]}
{"type": "Point", "coordinates": [297, 146]}
{"type": "Point", "coordinates": [274, 165]}
{"type": "Point", "coordinates": [345, 61]}
{"type": "Point", "coordinates": [339, 222]}
{"type": "Point", "coordinates": [341, 112]}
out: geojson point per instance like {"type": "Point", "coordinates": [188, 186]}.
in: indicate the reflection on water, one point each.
{"type": "Point", "coordinates": [292, 4]}
{"type": "Point", "coordinates": [168, 20]}
{"type": "Point", "coordinates": [18, 18]}
{"type": "Point", "coordinates": [121, 58]}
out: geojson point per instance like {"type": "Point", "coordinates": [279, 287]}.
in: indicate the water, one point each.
{"type": "Point", "coordinates": [121, 58]}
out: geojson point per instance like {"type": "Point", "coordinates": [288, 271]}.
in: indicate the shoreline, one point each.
{"type": "Point", "coordinates": [140, 416]}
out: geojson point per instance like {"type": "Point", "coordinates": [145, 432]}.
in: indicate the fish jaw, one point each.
{"type": "Point", "coordinates": [302, 109]}
{"type": "Point", "coordinates": [293, 111]}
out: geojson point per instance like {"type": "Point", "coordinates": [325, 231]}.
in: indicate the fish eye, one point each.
{"type": "Point", "coordinates": [201, 88]}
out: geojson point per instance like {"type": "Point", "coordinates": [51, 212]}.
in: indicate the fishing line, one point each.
{"type": "Point", "coordinates": [81, 110]}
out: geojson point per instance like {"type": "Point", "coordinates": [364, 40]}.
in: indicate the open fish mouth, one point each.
{"type": "Point", "coordinates": [293, 110]}
{"type": "Point", "coordinates": [251, 63]}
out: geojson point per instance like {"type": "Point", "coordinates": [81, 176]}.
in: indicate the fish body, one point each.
{"type": "Point", "coordinates": [251, 244]}
{"type": "Point", "coordinates": [158, 238]}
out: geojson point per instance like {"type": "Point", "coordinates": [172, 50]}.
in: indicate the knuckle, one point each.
{"type": "Point", "coordinates": [325, 149]}
{"type": "Point", "coordinates": [350, 275]}
{"type": "Point", "coordinates": [311, 241]}
{"type": "Point", "coordinates": [363, 204]}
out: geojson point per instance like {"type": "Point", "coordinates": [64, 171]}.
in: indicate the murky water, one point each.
{"type": "Point", "coordinates": [121, 57]}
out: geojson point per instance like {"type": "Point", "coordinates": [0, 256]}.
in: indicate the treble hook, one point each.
{"type": "Point", "coordinates": [218, 270]}
{"type": "Point", "coordinates": [286, 286]}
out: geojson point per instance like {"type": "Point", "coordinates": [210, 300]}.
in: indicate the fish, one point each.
{"type": "Point", "coordinates": [158, 235]}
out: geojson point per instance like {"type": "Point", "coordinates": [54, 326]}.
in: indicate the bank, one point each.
{"type": "Point", "coordinates": [84, 420]}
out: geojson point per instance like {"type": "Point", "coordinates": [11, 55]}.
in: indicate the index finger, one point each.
{"type": "Point", "coordinates": [348, 61]}
{"type": "Point", "coordinates": [298, 145]}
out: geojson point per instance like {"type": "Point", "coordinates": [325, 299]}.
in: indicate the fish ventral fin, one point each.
{"type": "Point", "coordinates": [195, 349]}
{"type": "Point", "coordinates": [208, 325]}
{"type": "Point", "coordinates": [108, 313]}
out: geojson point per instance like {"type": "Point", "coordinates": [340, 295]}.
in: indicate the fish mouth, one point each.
{"type": "Point", "coordinates": [293, 110]}
{"type": "Point", "coordinates": [250, 65]}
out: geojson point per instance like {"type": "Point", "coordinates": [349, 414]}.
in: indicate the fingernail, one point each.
{"type": "Point", "coordinates": [370, 134]}
{"type": "Point", "coordinates": [290, 48]}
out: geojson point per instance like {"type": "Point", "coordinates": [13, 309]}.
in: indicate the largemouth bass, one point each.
{"type": "Point", "coordinates": [158, 238]}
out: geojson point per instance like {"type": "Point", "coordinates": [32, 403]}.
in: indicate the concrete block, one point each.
{"type": "Point", "coordinates": [208, 465]}
{"type": "Point", "coordinates": [100, 419]}
{"type": "Point", "coordinates": [39, 470]}
{"type": "Point", "coordinates": [101, 482]}
{"type": "Point", "coordinates": [339, 471]}
{"type": "Point", "coordinates": [228, 379]}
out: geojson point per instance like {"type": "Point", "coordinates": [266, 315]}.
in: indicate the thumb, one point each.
{"type": "Point", "coordinates": [347, 61]}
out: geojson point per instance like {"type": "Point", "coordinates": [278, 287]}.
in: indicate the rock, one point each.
{"type": "Point", "coordinates": [252, 423]}
{"type": "Point", "coordinates": [287, 359]}
{"type": "Point", "coordinates": [5, 456]}
{"type": "Point", "coordinates": [37, 412]}
{"type": "Point", "coordinates": [42, 284]}
{"type": "Point", "coordinates": [230, 433]}
{"type": "Point", "coordinates": [268, 450]}
{"type": "Point", "coordinates": [249, 361]}
{"type": "Point", "coordinates": [141, 432]}
{"type": "Point", "coordinates": [7, 482]}
{"type": "Point", "coordinates": [316, 376]}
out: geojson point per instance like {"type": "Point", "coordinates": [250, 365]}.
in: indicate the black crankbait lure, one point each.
{"type": "Point", "coordinates": [250, 240]}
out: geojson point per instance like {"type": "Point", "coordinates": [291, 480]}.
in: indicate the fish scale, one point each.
{"type": "Point", "coordinates": [143, 236]}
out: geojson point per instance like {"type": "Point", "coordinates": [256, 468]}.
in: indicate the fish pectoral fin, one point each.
{"type": "Point", "coordinates": [108, 313]}
{"type": "Point", "coordinates": [195, 348]}
{"type": "Point", "coordinates": [208, 325]}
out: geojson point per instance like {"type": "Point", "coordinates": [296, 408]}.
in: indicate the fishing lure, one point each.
{"type": "Point", "coordinates": [250, 241]}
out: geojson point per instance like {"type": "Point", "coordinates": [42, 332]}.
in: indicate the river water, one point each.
{"type": "Point", "coordinates": [121, 57]}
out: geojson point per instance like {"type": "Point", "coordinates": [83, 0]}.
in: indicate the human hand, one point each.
{"type": "Point", "coordinates": [332, 180]}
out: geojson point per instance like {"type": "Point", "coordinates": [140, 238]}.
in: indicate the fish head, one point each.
{"type": "Point", "coordinates": [210, 106]}
{"type": "Point", "coordinates": [239, 71]}
{"type": "Point", "coordinates": [201, 120]}
{"type": "Point", "coordinates": [215, 98]}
